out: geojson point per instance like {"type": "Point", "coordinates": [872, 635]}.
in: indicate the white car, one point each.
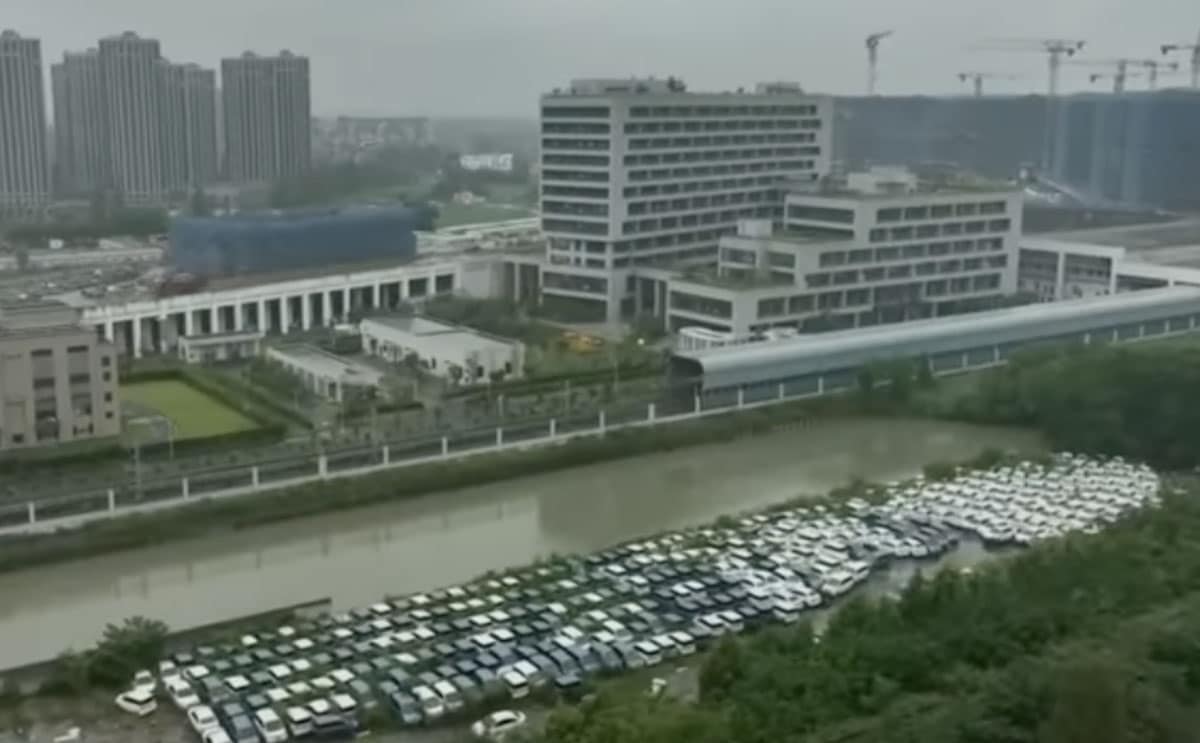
{"type": "Point", "coordinates": [216, 735]}
{"type": "Point", "coordinates": [181, 692]}
{"type": "Point", "coordinates": [137, 702]}
{"type": "Point", "coordinates": [202, 719]}
{"type": "Point", "coordinates": [498, 724]}
{"type": "Point", "coordinates": [143, 679]}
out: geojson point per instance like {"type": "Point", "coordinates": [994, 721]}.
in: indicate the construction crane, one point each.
{"type": "Point", "coordinates": [1118, 79]}
{"type": "Point", "coordinates": [1054, 49]}
{"type": "Point", "coordinates": [1195, 49]}
{"type": "Point", "coordinates": [1120, 72]}
{"type": "Point", "coordinates": [873, 58]}
{"type": "Point", "coordinates": [977, 79]}
{"type": "Point", "coordinates": [1153, 66]}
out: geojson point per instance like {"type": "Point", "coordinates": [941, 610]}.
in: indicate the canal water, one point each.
{"type": "Point", "coordinates": [355, 557]}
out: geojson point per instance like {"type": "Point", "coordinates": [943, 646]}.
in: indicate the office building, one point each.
{"type": "Point", "coordinates": [189, 128]}
{"type": "Point", "coordinates": [24, 168]}
{"type": "Point", "coordinates": [880, 247]}
{"type": "Point", "coordinates": [58, 383]}
{"type": "Point", "coordinates": [642, 173]}
{"type": "Point", "coordinates": [130, 71]}
{"type": "Point", "coordinates": [81, 164]}
{"type": "Point", "coordinates": [267, 112]}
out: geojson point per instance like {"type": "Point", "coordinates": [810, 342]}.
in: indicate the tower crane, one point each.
{"type": "Point", "coordinates": [872, 43]}
{"type": "Point", "coordinates": [1054, 49]}
{"type": "Point", "coordinates": [1153, 66]}
{"type": "Point", "coordinates": [977, 79]}
{"type": "Point", "coordinates": [1118, 79]}
{"type": "Point", "coordinates": [1195, 50]}
{"type": "Point", "coordinates": [1120, 72]}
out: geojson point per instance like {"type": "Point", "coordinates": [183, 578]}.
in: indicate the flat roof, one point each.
{"type": "Point", "coordinates": [1138, 237]}
{"type": "Point", "coordinates": [235, 335]}
{"type": "Point", "coordinates": [327, 365]}
{"type": "Point", "coordinates": [428, 327]}
{"type": "Point", "coordinates": [814, 353]}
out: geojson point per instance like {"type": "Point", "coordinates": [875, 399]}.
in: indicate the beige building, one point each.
{"type": "Point", "coordinates": [58, 381]}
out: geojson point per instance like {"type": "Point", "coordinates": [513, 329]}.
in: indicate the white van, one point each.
{"type": "Point", "coordinates": [450, 695]}
{"type": "Point", "coordinates": [431, 703]}
{"type": "Point", "coordinates": [518, 685]}
{"type": "Point", "coordinates": [269, 726]}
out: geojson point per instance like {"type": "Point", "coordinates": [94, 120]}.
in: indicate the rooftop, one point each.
{"type": "Point", "coordinates": [426, 327]}
{"type": "Point", "coordinates": [36, 317]}
{"type": "Point", "coordinates": [1138, 237]}
{"type": "Point", "coordinates": [327, 365]}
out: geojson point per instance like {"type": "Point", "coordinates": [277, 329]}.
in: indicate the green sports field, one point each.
{"type": "Point", "coordinates": [193, 413]}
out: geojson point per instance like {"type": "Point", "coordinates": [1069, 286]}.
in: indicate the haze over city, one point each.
{"type": "Point", "coordinates": [463, 57]}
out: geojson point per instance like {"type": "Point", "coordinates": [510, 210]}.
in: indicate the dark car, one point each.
{"type": "Point", "coordinates": [564, 661]}
{"type": "Point", "coordinates": [257, 701]}
{"type": "Point", "coordinates": [229, 710]}
{"type": "Point", "coordinates": [262, 679]}
{"type": "Point", "coordinates": [445, 649]}
{"type": "Point", "coordinates": [487, 660]}
{"type": "Point", "coordinates": [466, 665]}
{"type": "Point", "coordinates": [471, 692]}
{"type": "Point", "coordinates": [262, 656]}
{"type": "Point", "coordinates": [221, 667]}
{"type": "Point", "coordinates": [361, 668]}
{"type": "Point", "coordinates": [334, 727]}
{"type": "Point", "coordinates": [462, 624]}
{"type": "Point", "coordinates": [241, 730]}
{"type": "Point", "coordinates": [400, 677]}
{"type": "Point", "coordinates": [569, 685]}
{"type": "Point", "coordinates": [381, 664]}
{"type": "Point", "coordinates": [215, 692]}
{"type": "Point", "coordinates": [242, 660]}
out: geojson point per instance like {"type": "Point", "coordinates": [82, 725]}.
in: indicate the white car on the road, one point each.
{"type": "Point", "coordinates": [498, 724]}
{"type": "Point", "coordinates": [137, 702]}
{"type": "Point", "coordinates": [202, 719]}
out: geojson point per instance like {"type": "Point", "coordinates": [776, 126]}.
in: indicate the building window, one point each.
{"type": "Point", "coordinates": [888, 215]}
{"type": "Point", "coordinates": [965, 210]}
{"type": "Point", "coordinates": [106, 376]}
{"type": "Point", "coordinates": [108, 397]}
{"type": "Point", "coordinates": [878, 235]}
{"type": "Point", "coordinates": [18, 438]}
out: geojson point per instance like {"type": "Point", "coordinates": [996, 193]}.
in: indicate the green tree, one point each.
{"type": "Point", "coordinates": [1090, 704]}
{"type": "Point", "coordinates": [721, 671]}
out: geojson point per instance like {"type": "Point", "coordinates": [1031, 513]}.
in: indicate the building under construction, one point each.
{"type": "Point", "coordinates": [1134, 149]}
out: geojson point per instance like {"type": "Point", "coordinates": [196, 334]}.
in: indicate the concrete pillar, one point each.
{"type": "Point", "coordinates": [322, 465]}
{"type": "Point", "coordinates": [553, 427]}
{"type": "Point", "coordinates": [109, 332]}
{"type": "Point", "coordinates": [386, 454]}
{"type": "Point", "coordinates": [263, 320]}
{"type": "Point", "coordinates": [112, 500]}
{"type": "Point", "coordinates": [376, 294]}
{"type": "Point", "coordinates": [346, 304]}
{"type": "Point", "coordinates": [995, 357]}
{"type": "Point", "coordinates": [601, 422]}
{"type": "Point", "coordinates": [696, 407]}
{"type": "Point", "coordinates": [239, 317]}
{"type": "Point", "coordinates": [1087, 339]}
{"type": "Point", "coordinates": [445, 447]}
{"type": "Point", "coordinates": [782, 391]}
{"type": "Point", "coordinates": [189, 322]}
{"type": "Point", "coordinates": [499, 436]}
{"type": "Point", "coordinates": [285, 315]}
{"type": "Point", "coordinates": [136, 324]}
{"type": "Point", "coordinates": [650, 412]}
{"type": "Point", "coordinates": [966, 359]}
{"type": "Point", "coordinates": [306, 313]}
{"type": "Point", "coordinates": [327, 307]}
{"type": "Point", "coordinates": [821, 385]}
{"type": "Point", "coordinates": [214, 320]}
{"type": "Point", "coordinates": [31, 508]}
{"type": "Point", "coordinates": [184, 487]}
{"type": "Point", "coordinates": [254, 475]}
{"type": "Point", "coordinates": [741, 397]}
{"type": "Point", "coordinates": [1060, 276]}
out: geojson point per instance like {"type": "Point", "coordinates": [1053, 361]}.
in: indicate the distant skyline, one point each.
{"type": "Point", "coordinates": [494, 57]}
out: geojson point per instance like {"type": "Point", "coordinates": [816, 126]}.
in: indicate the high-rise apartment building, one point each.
{"type": "Point", "coordinates": [644, 173]}
{"type": "Point", "coordinates": [24, 168]}
{"type": "Point", "coordinates": [267, 112]}
{"type": "Point", "coordinates": [189, 126]}
{"type": "Point", "coordinates": [80, 137]}
{"type": "Point", "coordinates": [130, 70]}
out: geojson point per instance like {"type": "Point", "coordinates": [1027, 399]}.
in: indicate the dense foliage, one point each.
{"type": "Point", "coordinates": [1091, 639]}
{"type": "Point", "coordinates": [122, 651]}
{"type": "Point", "coordinates": [1137, 401]}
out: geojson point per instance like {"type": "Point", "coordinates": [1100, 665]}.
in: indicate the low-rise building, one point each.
{"type": "Point", "coordinates": [463, 355]}
{"type": "Point", "coordinates": [218, 347]}
{"type": "Point", "coordinates": [58, 381]}
{"type": "Point", "coordinates": [332, 377]}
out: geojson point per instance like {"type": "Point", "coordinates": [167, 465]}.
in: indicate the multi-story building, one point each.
{"type": "Point", "coordinates": [879, 248]}
{"type": "Point", "coordinates": [268, 117]}
{"type": "Point", "coordinates": [58, 382]}
{"type": "Point", "coordinates": [131, 80]}
{"type": "Point", "coordinates": [24, 171]}
{"type": "Point", "coordinates": [639, 173]}
{"type": "Point", "coordinates": [80, 137]}
{"type": "Point", "coordinates": [189, 126]}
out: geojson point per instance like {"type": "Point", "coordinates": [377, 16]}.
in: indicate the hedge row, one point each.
{"type": "Point", "coordinates": [203, 517]}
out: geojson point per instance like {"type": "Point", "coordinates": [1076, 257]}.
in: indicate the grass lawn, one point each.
{"type": "Point", "coordinates": [194, 414]}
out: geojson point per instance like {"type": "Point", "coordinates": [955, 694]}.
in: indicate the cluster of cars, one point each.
{"type": "Point", "coordinates": [424, 658]}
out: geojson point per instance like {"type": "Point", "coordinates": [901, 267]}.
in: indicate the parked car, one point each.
{"type": "Point", "coordinates": [498, 725]}
{"type": "Point", "coordinates": [137, 702]}
{"type": "Point", "coordinates": [202, 718]}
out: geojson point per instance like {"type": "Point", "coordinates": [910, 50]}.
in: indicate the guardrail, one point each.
{"type": "Point", "coordinates": [47, 515]}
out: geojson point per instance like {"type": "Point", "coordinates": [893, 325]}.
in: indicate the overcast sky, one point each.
{"type": "Point", "coordinates": [493, 57]}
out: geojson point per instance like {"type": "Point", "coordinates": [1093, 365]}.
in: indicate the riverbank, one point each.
{"type": "Point", "coordinates": [410, 545]}
{"type": "Point", "coordinates": [207, 516]}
